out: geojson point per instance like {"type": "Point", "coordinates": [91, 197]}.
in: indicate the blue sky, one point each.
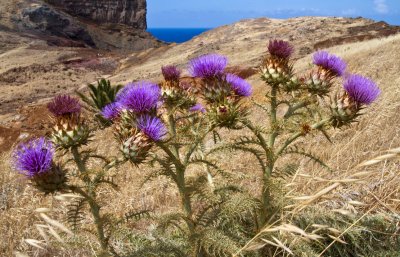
{"type": "Point", "coordinates": [213, 13]}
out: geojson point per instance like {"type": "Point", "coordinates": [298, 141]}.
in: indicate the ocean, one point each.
{"type": "Point", "coordinates": [177, 35]}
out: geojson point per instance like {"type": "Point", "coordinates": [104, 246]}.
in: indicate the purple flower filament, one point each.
{"type": "Point", "coordinates": [279, 48]}
{"type": "Point", "coordinates": [64, 105]}
{"type": "Point", "coordinates": [361, 89]}
{"type": "Point", "coordinates": [208, 66]}
{"type": "Point", "coordinates": [197, 108]}
{"type": "Point", "coordinates": [171, 73]}
{"type": "Point", "coordinates": [112, 110]}
{"type": "Point", "coordinates": [140, 97]}
{"type": "Point", "coordinates": [152, 127]}
{"type": "Point", "coordinates": [332, 63]}
{"type": "Point", "coordinates": [34, 157]}
{"type": "Point", "coordinates": [240, 86]}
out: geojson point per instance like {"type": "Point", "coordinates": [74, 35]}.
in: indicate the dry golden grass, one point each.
{"type": "Point", "coordinates": [376, 132]}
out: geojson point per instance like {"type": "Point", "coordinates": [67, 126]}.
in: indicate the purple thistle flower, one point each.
{"type": "Point", "coordinates": [197, 108]}
{"type": "Point", "coordinates": [361, 89]}
{"type": "Point", "coordinates": [280, 48]}
{"type": "Point", "coordinates": [208, 66]}
{"type": "Point", "coordinates": [171, 73]}
{"type": "Point", "coordinates": [240, 86]}
{"type": "Point", "coordinates": [112, 110]}
{"type": "Point", "coordinates": [152, 127]}
{"type": "Point", "coordinates": [329, 62]}
{"type": "Point", "coordinates": [34, 157]}
{"type": "Point", "coordinates": [64, 105]}
{"type": "Point", "coordinates": [140, 97]}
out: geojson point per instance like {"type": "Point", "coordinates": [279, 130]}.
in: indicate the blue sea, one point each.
{"type": "Point", "coordinates": [177, 35]}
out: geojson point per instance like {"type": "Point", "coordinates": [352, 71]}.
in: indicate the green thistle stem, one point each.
{"type": "Point", "coordinates": [90, 196]}
{"type": "Point", "coordinates": [295, 136]}
{"type": "Point", "coordinates": [78, 160]}
{"type": "Point", "coordinates": [294, 108]}
{"type": "Point", "coordinates": [273, 119]}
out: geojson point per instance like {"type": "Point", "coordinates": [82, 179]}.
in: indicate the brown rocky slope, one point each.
{"type": "Point", "coordinates": [31, 71]}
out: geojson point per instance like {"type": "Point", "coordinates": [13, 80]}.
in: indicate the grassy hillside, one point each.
{"type": "Point", "coordinates": [377, 191]}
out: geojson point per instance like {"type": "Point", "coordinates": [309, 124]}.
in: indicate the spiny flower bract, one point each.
{"type": "Point", "coordinates": [171, 73]}
{"type": "Point", "coordinates": [333, 63]}
{"type": "Point", "coordinates": [281, 49]}
{"type": "Point", "coordinates": [33, 157]}
{"type": "Point", "coordinates": [240, 86]}
{"type": "Point", "coordinates": [361, 89]}
{"type": "Point", "coordinates": [152, 127]}
{"type": "Point", "coordinates": [208, 66]}
{"type": "Point", "coordinates": [197, 108]}
{"type": "Point", "coordinates": [64, 105]}
{"type": "Point", "coordinates": [140, 97]}
{"type": "Point", "coordinates": [112, 110]}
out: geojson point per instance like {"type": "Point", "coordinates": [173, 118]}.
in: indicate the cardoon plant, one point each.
{"type": "Point", "coordinates": [295, 109]}
{"type": "Point", "coordinates": [39, 162]}
{"type": "Point", "coordinates": [172, 134]}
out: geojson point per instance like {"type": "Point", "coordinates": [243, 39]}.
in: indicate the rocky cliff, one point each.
{"type": "Point", "coordinates": [104, 24]}
{"type": "Point", "coordinates": [128, 12]}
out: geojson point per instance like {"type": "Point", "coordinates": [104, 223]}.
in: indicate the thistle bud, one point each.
{"type": "Point", "coordinates": [292, 85]}
{"type": "Point", "coordinates": [344, 111]}
{"type": "Point", "coordinates": [136, 148]}
{"type": "Point", "coordinates": [54, 181]}
{"type": "Point", "coordinates": [69, 129]}
{"type": "Point", "coordinates": [147, 130]}
{"type": "Point", "coordinates": [216, 90]}
{"type": "Point", "coordinates": [275, 72]}
{"type": "Point", "coordinates": [227, 114]}
{"type": "Point", "coordinates": [176, 96]}
{"type": "Point", "coordinates": [319, 82]}
{"type": "Point", "coordinates": [34, 159]}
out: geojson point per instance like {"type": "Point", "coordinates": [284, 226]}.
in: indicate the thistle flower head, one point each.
{"type": "Point", "coordinates": [361, 89]}
{"type": "Point", "coordinates": [152, 127]}
{"type": "Point", "coordinates": [140, 97]}
{"type": "Point", "coordinates": [197, 108]}
{"type": "Point", "coordinates": [332, 63]}
{"type": "Point", "coordinates": [208, 66]}
{"type": "Point", "coordinates": [280, 48]}
{"type": "Point", "coordinates": [64, 105]}
{"type": "Point", "coordinates": [112, 110]}
{"type": "Point", "coordinates": [171, 73]}
{"type": "Point", "coordinates": [240, 86]}
{"type": "Point", "coordinates": [34, 157]}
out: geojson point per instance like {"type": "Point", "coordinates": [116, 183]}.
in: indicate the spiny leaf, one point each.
{"type": "Point", "coordinates": [311, 156]}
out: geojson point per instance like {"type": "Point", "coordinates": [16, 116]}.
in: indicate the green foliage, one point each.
{"type": "Point", "coordinates": [375, 235]}
{"type": "Point", "coordinates": [100, 95]}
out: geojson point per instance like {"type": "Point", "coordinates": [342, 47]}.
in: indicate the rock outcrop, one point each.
{"type": "Point", "coordinates": [128, 12]}
{"type": "Point", "coordinates": [103, 24]}
{"type": "Point", "coordinates": [50, 21]}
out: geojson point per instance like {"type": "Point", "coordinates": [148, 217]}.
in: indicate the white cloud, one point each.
{"type": "Point", "coordinates": [349, 12]}
{"type": "Point", "coordinates": [381, 6]}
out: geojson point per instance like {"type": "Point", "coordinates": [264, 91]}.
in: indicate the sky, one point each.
{"type": "Point", "coordinates": [214, 13]}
